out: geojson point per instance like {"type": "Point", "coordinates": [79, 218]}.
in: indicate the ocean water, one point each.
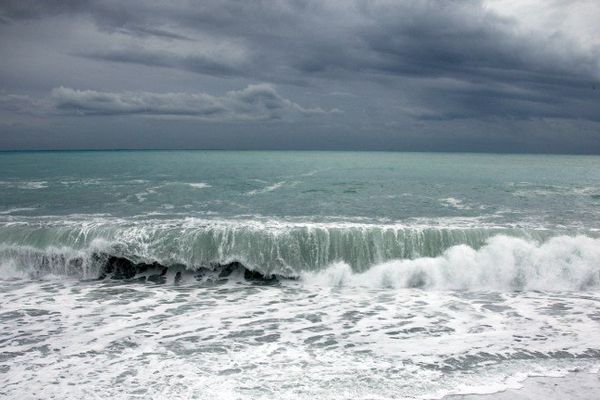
{"type": "Point", "coordinates": [294, 275]}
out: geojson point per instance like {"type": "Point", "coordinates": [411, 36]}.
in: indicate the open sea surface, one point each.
{"type": "Point", "coordinates": [294, 275]}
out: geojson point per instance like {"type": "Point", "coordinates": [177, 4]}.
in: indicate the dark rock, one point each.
{"type": "Point", "coordinates": [250, 275]}
{"type": "Point", "coordinates": [122, 268]}
{"type": "Point", "coordinates": [115, 267]}
{"type": "Point", "coordinates": [228, 269]}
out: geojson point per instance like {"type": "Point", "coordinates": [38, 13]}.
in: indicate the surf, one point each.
{"type": "Point", "coordinates": [335, 254]}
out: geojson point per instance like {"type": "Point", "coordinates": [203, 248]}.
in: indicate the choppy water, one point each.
{"type": "Point", "coordinates": [294, 274]}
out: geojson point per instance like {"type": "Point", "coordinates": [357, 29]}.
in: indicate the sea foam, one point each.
{"type": "Point", "coordinates": [501, 263]}
{"type": "Point", "coordinates": [504, 263]}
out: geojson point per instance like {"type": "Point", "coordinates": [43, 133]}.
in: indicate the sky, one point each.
{"type": "Point", "coordinates": [472, 75]}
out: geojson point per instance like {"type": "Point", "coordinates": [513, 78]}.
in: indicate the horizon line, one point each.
{"type": "Point", "coordinates": [297, 150]}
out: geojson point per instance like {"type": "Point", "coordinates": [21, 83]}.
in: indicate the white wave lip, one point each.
{"type": "Point", "coordinates": [563, 263]}
{"type": "Point", "coordinates": [454, 203]}
{"type": "Point", "coordinates": [33, 185]}
{"type": "Point", "coordinates": [267, 189]}
{"type": "Point", "coordinates": [199, 185]}
{"type": "Point", "coordinates": [16, 210]}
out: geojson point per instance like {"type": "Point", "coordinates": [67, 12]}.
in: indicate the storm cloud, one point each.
{"type": "Point", "coordinates": [254, 103]}
{"type": "Point", "coordinates": [411, 71]}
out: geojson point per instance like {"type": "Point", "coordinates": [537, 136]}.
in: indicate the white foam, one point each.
{"type": "Point", "coordinates": [289, 247]}
{"type": "Point", "coordinates": [86, 182]}
{"type": "Point", "coordinates": [160, 341]}
{"type": "Point", "coordinates": [17, 209]}
{"type": "Point", "coordinates": [33, 185]}
{"type": "Point", "coordinates": [454, 203]}
{"type": "Point", "coordinates": [144, 194]}
{"type": "Point", "coordinates": [525, 189]}
{"type": "Point", "coordinates": [310, 173]}
{"type": "Point", "coordinates": [199, 185]}
{"type": "Point", "coordinates": [504, 263]}
{"type": "Point", "coordinates": [267, 189]}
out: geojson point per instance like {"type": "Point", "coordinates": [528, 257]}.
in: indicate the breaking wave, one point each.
{"type": "Point", "coordinates": [334, 254]}
{"type": "Point", "coordinates": [563, 263]}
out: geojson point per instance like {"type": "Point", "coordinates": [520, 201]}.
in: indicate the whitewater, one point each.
{"type": "Point", "coordinates": [291, 275]}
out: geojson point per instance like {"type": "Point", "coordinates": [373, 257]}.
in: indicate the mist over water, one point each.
{"type": "Point", "coordinates": [295, 274]}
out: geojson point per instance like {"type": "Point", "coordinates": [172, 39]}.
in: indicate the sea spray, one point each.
{"type": "Point", "coordinates": [271, 247]}
{"type": "Point", "coordinates": [347, 255]}
{"type": "Point", "coordinates": [503, 263]}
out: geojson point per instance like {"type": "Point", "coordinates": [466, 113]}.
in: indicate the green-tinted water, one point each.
{"type": "Point", "coordinates": [502, 189]}
{"type": "Point", "coordinates": [418, 275]}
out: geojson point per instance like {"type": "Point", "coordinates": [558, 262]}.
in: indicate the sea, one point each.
{"type": "Point", "coordinates": [294, 275]}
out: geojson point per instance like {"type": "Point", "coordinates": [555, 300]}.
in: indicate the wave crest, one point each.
{"type": "Point", "coordinates": [563, 263]}
{"type": "Point", "coordinates": [271, 247]}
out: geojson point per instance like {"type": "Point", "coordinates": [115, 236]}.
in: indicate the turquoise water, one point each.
{"type": "Point", "coordinates": [273, 275]}
{"type": "Point", "coordinates": [535, 190]}
{"type": "Point", "coordinates": [286, 212]}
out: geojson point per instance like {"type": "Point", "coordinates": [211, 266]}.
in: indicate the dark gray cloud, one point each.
{"type": "Point", "coordinates": [12, 10]}
{"type": "Point", "coordinates": [254, 103]}
{"type": "Point", "coordinates": [22, 104]}
{"type": "Point", "coordinates": [402, 64]}
{"type": "Point", "coordinates": [194, 62]}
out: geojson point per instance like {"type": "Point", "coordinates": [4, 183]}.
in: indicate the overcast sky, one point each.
{"type": "Point", "coordinates": [495, 75]}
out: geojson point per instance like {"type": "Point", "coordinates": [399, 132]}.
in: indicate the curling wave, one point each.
{"type": "Point", "coordinates": [332, 254]}
{"type": "Point", "coordinates": [271, 247]}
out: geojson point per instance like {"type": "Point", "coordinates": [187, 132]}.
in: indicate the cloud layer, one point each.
{"type": "Point", "coordinates": [254, 103]}
{"type": "Point", "coordinates": [404, 66]}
